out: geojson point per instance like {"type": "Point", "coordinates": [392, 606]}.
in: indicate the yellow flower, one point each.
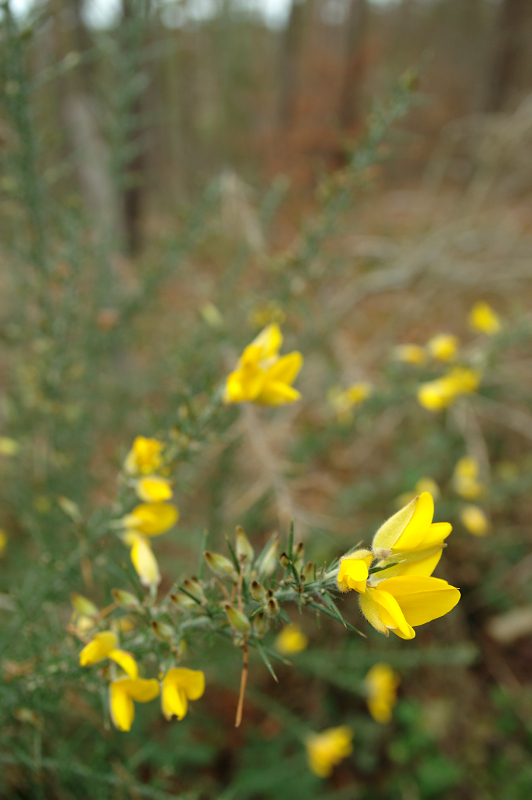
{"type": "Point", "coordinates": [440, 393]}
{"type": "Point", "coordinates": [353, 572]}
{"type": "Point", "coordinates": [179, 686]}
{"type": "Point", "coordinates": [465, 478]}
{"type": "Point", "coordinates": [475, 520]}
{"type": "Point", "coordinates": [326, 749]}
{"type": "Point", "coordinates": [381, 684]}
{"type": "Point", "coordinates": [290, 640]}
{"type": "Point", "coordinates": [153, 489]}
{"type": "Point", "coordinates": [343, 401]}
{"type": "Point", "coordinates": [410, 354]}
{"type": "Point", "coordinates": [3, 542]}
{"type": "Point", "coordinates": [151, 519]}
{"type": "Point", "coordinates": [443, 347]}
{"type": "Point", "coordinates": [401, 603]}
{"type": "Point", "coordinates": [261, 375]}
{"type": "Point", "coordinates": [123, 692]}
{"type": "Point", "coordinates": [143, 559]}
{"type": "Point", "coordinates": [104, 645]}
{"type": "Point", "coordinates": [8, 447]}
{"type": "Point", "coordinates": [145, 457]}
{"type": "Point", "coordinates": [484, 319]}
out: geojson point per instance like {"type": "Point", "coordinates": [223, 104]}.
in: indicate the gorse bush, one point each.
{"type": "Point", "coordinates": [150, 408]}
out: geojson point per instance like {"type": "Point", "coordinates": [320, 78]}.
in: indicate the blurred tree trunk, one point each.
{"type": "Point", "coordinates": [289, 62]}
{"type": "Point", "coordinates": [350, 110]}
{"type": "Point", "coordinates": [512, 43]}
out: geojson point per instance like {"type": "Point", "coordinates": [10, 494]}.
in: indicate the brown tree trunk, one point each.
{"type": "Point", "coordinates": [513, 38]}
{"type": "Point", "coordinates": [289, 62]}
{"type": "Point", "coordinates": [350, 110]}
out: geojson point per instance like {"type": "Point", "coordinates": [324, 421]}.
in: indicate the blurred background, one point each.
{"type": "Point", "coordinates": [175, 176]}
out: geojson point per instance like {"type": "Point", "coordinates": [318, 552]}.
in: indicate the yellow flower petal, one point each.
{"type": "Point", "coordinates": [435, 535]}
{"type": "Point", "coordinates": [381, 683]}
{"type": "Point", "coordinates": [179, 686]}
{"type": "Point", "coordinates": [286, 369]}
{"type": "Point", "coordinates": [121, 695]}
{"type": "Point", "coordinates": [410, 354]}
{"type": "Point", "coordinates": [443, 347]}
{"type": "Point", "coordinates": [353, 572]}
{"type": "Point", "coordinates": [269, 341]}
{"type": "Point", "coordinates": [126, 661]}
{"type": "Point", "coordinates": [370, 611]}
{"type": "Point", "coordinates": [144, 457]}
{"type": "Point", "coordinates": [275, 393]}
{"type": "Point", "coordinates": [290, 640]}
{"type": "Point", "coordinates": [153, 489]}
{"type": "Point", "coordinates": [475, 520]}
{"type": "Point", "coordinates": [484, 319]}
{"type": "Point", "coordinates": [405, 529]}
{"type": "Point", "coordinates": [391, 612]}
{"type": "Point", "coordinates": [98, 649]}
{"type": "Point", "coordinates": [143, 560]}
{"type": "Point", "coordinates": [421, 599]}
{"type": "Point", "coordinates": [326, 749]}
{"type": "Point", "coordinates": [152, 519]}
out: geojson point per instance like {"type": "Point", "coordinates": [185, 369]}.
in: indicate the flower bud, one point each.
{"type": "Point", "coordinates": [182, 601]}
{"type": "Point", "coordinates": [258, 592]}
{"type": "Point", "coordinates": [261, 625]}
{"type": "Point", "coordinates": [244, 550]}
{"type": "Point", "coordinates": [269, 560]}
{"type": "Point", "coordinates": [238, 620]}
{"type": "Point", "coordinates": [308, 572]}
{"type": "Point", "coordinates": [284, 560]}
{"type": "Point", "coordinates": [125, 600]}
{"type": "Point", "coordinates": [299, 555]}
{"type": "Point", "coordinates": [194, 587]}
{"type": "Point", "coordinates": [162, 630]}
{"type": "Point", "coordinates": [83, 605]}
{"type": "Point", "coordinates": [220, 565]}
{"type": "Point", "coordinates": [272, 607]}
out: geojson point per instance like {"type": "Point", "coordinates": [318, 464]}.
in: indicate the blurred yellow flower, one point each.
{"type": "Point", "coordinates": [381, 685]}
{"type": "Point", "coordinates": [410, 354]}
{"type": "Point", "coordinates": [401, 603]}
{"type": "Point", "coordinates": [151, 519]}
{"type": "Point", "coordinates": [326, 749]}
{"type": "Point", "coordinates": [145, 456]}
{"type": "Point", "coordinates": [153, 489]}
{"type": "Point", "coordinates": [143, 558]}
{"type": "Point", "coordinates": [342, 401]}
{"type": "Point", "coordinates": [8, 447]}
{"type": "Point", "coordinates": [262, 376]}
{"type": "Point", "coordinates": [104, 645]}
{"type": "Point", "coordinates": [263, 315]}
{"type": "Point", "coordinates": [465, 478]}
{"type": "Point", "coordinates": [3, 542]}
{"type": "Point", "coordinates": [123, 692]}
{"type": "Point", "coordinates": [484, 319]}
{"type": "Point", "coordinates": [179, 686]}
{"type": "Point", "coordinates": [443, 347]}
{"type": "Point", "coordinates": [475, 520]}
{"type": "Point", "coordinates": [353, 572]}
{"type": "Point", "coordinates": [440, 393]}
{"type": "Point", "coordinates": [290, 640]}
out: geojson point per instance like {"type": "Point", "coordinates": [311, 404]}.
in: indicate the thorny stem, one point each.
{"type": "Point", "coordinates": [245, 660]}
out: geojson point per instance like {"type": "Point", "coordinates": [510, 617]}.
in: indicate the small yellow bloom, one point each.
{"type": "Point", "coordinates": [326, 749]}
{"type": "Point", "coordinates": [440, 393]}
{"type": "Point", "coordinates": [261, 375]}
{"type": "Point", "coordinates": [401, 603]}
{"type": "Point", "coordinates": [475, 520]}
{"type": "Point", "coordinates": [443, 347]}
{"type": "Point", "coordinates": [104, 645]}
{"type": "Point", "coordinates": [143, 558]}
{"type": "Point", "coordinates": [179, 686]}
{"type": "Point", "coordinates": [151, 519]}
{"type": "Point", "coordinates": [381, 684]}
{"type": "Point", "coordinates": [290, 640]}
{"type": "Point", "coordinates": [123, 692]}
{"type": "Point", "coordinates": [410, 354]}
{"type": "Point", "coordinates": [145, 457]}
{"type": "Point", "coordinates": [465, 478]}
{"type": "Point", "coordinates": [342, 401]}
{"type": "Point", "coordinates": [353, 572]}
{"type": "Point", "coordinates": [3, 542]}
{"type": "Point", "coordinates": [8, 447]}
{"type": "Point", "coordinates": [484, 319]}
{"type": "Point", "coordinates": [153, 489]}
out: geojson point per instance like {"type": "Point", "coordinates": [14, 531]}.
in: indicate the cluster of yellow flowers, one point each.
{"type": "Point", "coordinates": [143, 465]}
{"type": "Point", "coordinates": [178, 685]}
{"type": "Point", "coordinates": [460, 380]}
{"type": "Point", "coordinates": [398, 593]}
